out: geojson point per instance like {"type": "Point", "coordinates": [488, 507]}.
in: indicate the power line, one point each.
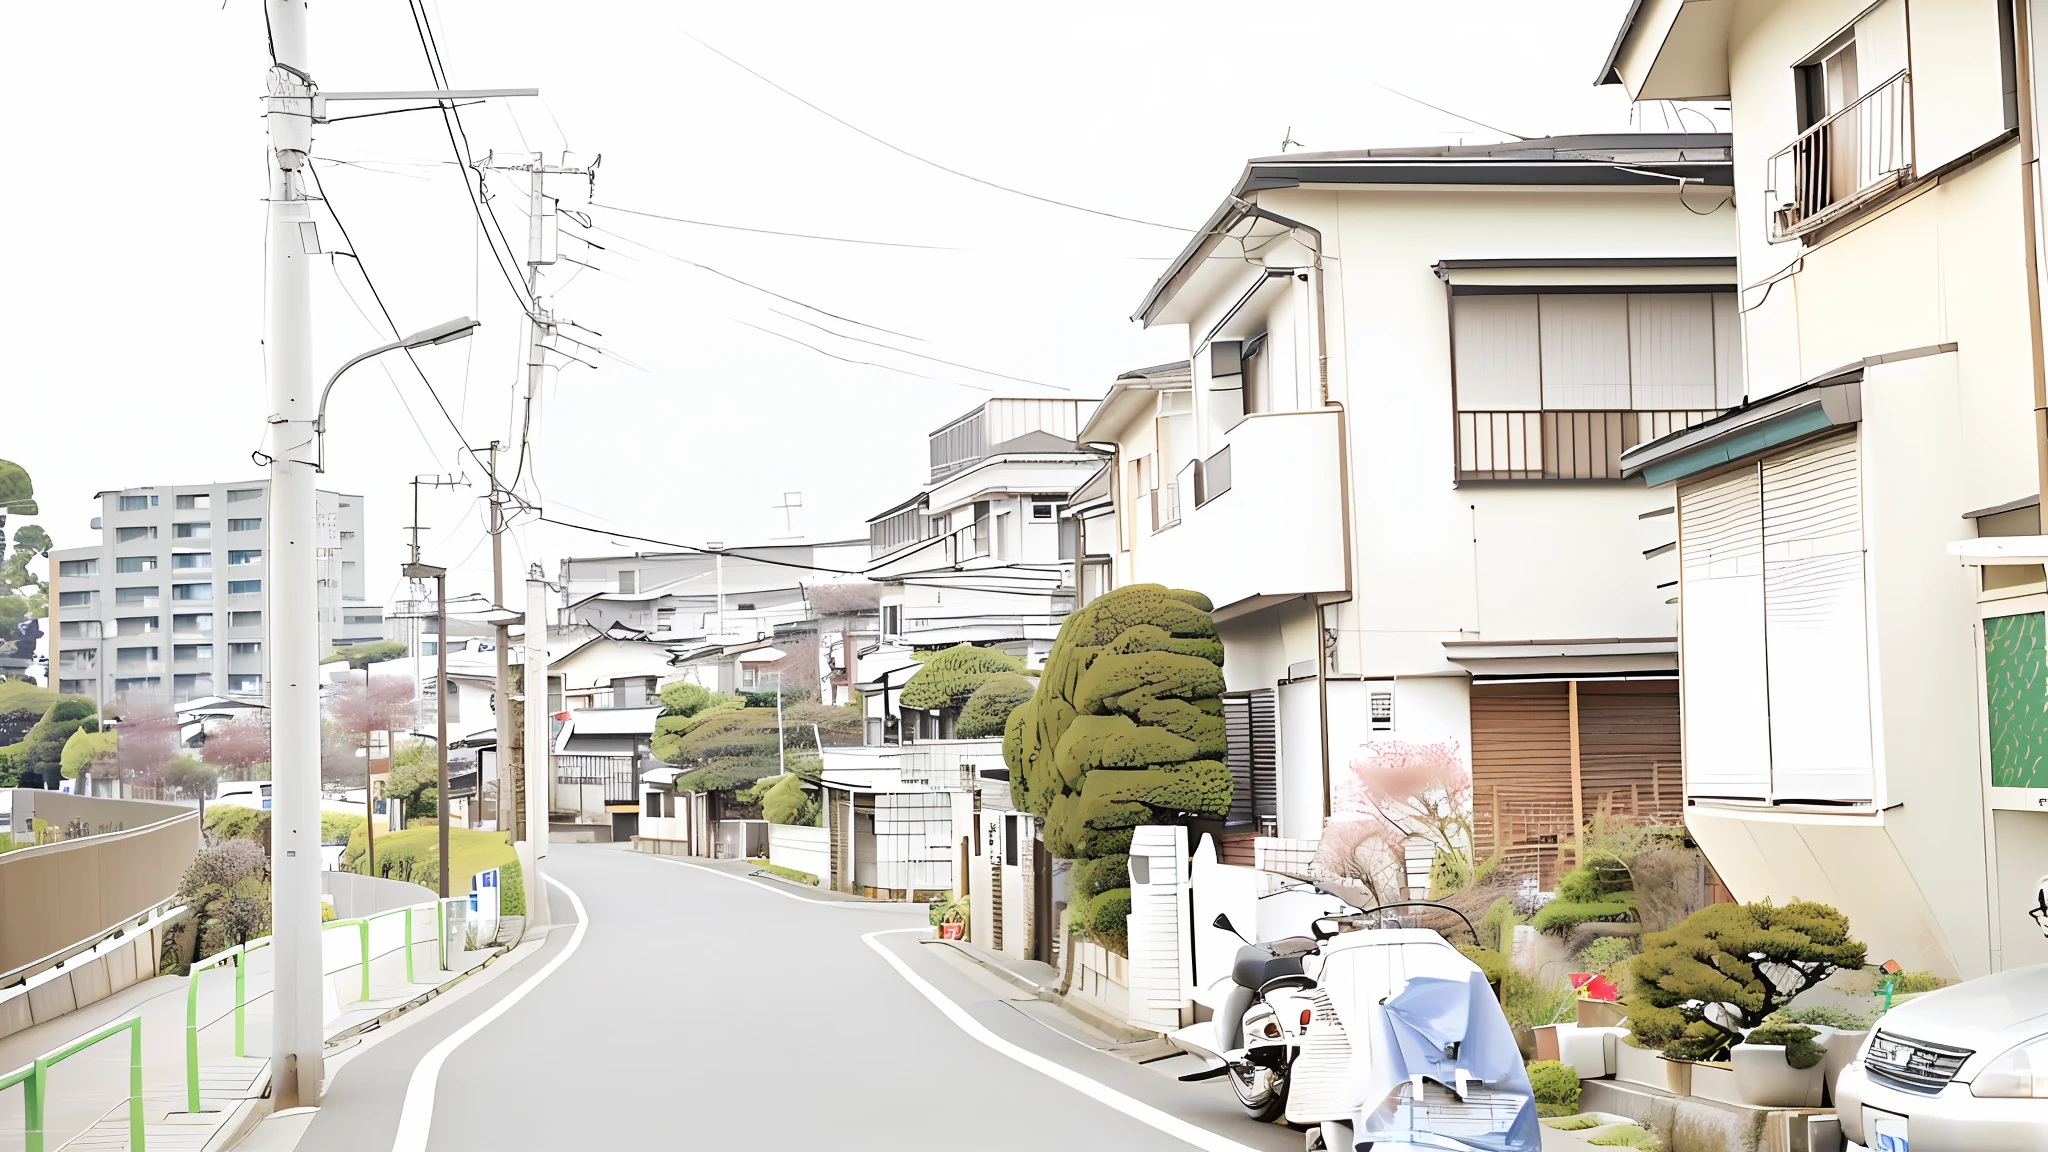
{"type": "Point", "coordinates": [775, 232]}
{"type": "Point", "coordinates": [850, 360]}
{"type": "Point", "coordinates": [1445, 111]}
{"type": "Point", "coordinates": [920, 355]}
{"type": "Point", "coordinates": [926, 160]}
{"type": "Point", "coordinates": [363, 267]}
{"type": "Point", "coordinates": [451, 122]}
{"type": "Point", "coordinates": [756, 287]}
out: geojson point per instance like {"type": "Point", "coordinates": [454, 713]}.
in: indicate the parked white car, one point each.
{"type": "Point", "coordinates": [1965, 1067]}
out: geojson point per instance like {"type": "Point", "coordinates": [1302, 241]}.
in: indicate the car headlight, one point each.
{"type": "Point", "coordinates": [2020, 1072]}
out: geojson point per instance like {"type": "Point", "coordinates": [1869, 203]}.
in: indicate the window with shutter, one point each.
{"type": "Point", "coordinates": [1251, 752]}
{"type": "Point", "coordinates": [1721, 591]}
{"type": "Point", "coordinates": [1814, 625]}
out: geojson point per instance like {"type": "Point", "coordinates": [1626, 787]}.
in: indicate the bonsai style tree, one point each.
{"type": "Point", "coordinates": [1126, 728]}
{"type": "Point", "coordinates": [954, 678]}
{"type": "Point", "coordinates": [1706, 984]}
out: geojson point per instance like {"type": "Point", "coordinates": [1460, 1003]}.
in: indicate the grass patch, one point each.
{"type": "Point", "coordinates": [414, 855]}
{"type": "Point", "coordinates": [785, 873]}
{"type": "Point", "coordinates": [1623, 1136]}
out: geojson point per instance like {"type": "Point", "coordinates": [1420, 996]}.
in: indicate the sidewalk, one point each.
{"type": "Point", "coordinates": [88, 1094]}
{"type": "Point", "coordinates": [1042, 981]}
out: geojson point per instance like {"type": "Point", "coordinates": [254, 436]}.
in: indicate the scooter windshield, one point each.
{"type": "Point", "coordinates": [1447, 1072]}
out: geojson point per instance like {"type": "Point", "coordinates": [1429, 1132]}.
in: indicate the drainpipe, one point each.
{"type": "Point", "coordinates": [2023, 69]}
{"type": "Point", "coordinates": [1321, 314]}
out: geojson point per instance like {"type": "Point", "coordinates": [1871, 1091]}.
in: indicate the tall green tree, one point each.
{"type": "Point", "coordinates": [42, 751]}
{"type": "Point", "coordinates": [1126, 728]}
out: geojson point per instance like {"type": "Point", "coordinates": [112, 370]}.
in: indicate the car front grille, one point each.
{"type": "Point", "coordinates": [1913, 1065]}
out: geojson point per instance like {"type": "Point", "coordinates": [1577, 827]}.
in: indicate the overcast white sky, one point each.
{"type": "Point", "coordinates": [136, 279]}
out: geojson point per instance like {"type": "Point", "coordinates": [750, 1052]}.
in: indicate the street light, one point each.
{"type": "Point", "coordinates": [442, 333]}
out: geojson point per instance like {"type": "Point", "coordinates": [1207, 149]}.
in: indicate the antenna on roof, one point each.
{"type": "Point", "coordinates": [1287, 138]}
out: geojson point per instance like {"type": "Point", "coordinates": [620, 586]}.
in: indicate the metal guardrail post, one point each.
{"type": "Point", "coordinates": [38, 1082]}
{"type": "Point", "coordinates": [32, 1109]}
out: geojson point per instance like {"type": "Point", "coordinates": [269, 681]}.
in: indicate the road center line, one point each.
{"type": "Point", "coordinates": [416, 1119]}
{"type": "Point", "coordinates": [1130, 1106]}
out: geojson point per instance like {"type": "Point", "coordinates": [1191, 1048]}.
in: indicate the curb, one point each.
{"type": "Point", "coordinates": [1117, 1030]}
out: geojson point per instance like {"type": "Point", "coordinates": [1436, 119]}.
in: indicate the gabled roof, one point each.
{"type": "Point", "coordinates": [1638, 159]}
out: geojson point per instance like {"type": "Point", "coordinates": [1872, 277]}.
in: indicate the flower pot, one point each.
{"type": "Point", "coordinates": [1764, 1080]}
{"type": "Point", "coordinates": [1842, 1048]}
{"type": "Point", "coordinates": [1715, 1081]}
{"type": "Point", "coordinates": [1677, 1076]}
{"type": "Point", "coordinates": [1601, 1014]}
{"type": "Point", "coordinates": [952, 930]}
{"type": "Point", "coordinates": [1644, 1066]}
{"type": "Point", "coordinates": [1546, 1041]}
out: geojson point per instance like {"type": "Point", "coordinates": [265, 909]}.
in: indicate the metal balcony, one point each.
{"type": "Point", "coordinates": [1843, 162]}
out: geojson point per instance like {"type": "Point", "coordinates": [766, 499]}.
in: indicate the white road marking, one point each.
{"type": "Point", "coordinates": [779, 890]}
{"type": "Point", "coordinates": [1130, 1106]}
{"type": "Point", "coordinates": [416, 1119]}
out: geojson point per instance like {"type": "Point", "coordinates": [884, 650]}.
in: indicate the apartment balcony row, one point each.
{"type": "Point", "coordinates": [1258, 521]}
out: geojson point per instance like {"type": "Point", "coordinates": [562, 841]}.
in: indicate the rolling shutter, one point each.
{"type": "Point", "coordinates": [1814, 625]}
{"type": "Point", "coordinates": [1671, 348]}
{"type": "Point", "coordinates": [1585, 351]}
{"type": "Point", "coordinates": [1495, 353]}
{"type": "Point", "coordinates": [1721, 595]}
{"type": "Point", "coordinates": [1251, 752]}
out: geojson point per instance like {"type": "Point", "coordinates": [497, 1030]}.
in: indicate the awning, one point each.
{"type": "Point", "coordinates": [1834, 401]}
{"type": "Point", "coordinates": [1565, 659]}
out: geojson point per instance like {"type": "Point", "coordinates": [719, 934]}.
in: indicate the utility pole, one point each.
{"type": "Point", "coordinates": [369, 784]}
{"type": "Point", "coordinates": [540, 776]}
{"type": "Point", "coordinates": [297, 1036]}
{"type": "Point", "coordinates": [501, 689]}
{"type": "Point", "coordinates": [542, 241]}
{"type": "Point", "coordinates": [418, 571]}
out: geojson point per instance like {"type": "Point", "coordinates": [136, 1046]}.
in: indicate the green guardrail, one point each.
{"type": "Point", "coordinates": [236, 954]}
{"type": "Point", "coordinates": [35, 1080]}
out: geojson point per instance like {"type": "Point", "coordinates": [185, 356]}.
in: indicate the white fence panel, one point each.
{"type": "Point", "coordinates": [804, 849]}
{"type": "Point", "coordinates": [1161, 954]}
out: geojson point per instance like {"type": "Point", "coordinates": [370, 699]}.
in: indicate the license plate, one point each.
{"type": "Point", "coordinates": [1888, 1134]}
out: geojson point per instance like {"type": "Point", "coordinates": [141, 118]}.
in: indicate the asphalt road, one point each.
{"type": "Point", "coordinates": [704, 1010]}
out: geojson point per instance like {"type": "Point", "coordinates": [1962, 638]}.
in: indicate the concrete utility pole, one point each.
{"type": "Point", "coordinates": [501, 689]}
{"type": "Point", "coordinates": [296, 1034]}
{"type": "Point", "coordinates": [540, 759]}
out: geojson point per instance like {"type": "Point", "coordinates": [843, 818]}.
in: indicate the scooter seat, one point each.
{"type": "Point", "coordinates": [1258, 963]}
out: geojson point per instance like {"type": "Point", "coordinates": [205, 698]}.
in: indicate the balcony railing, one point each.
{"type": "Point", "coordinates": [1558, 445]}
{"type": "Point", "coordinates": [1213, 478]}
{"type": "Point", "coordinates": [1846, 160]}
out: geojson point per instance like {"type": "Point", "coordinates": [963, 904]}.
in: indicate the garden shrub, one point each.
{"type": "Point", "coordinates": [1702, 986]}
{"type": "Point", "coordinates": [784, 800]}
{"type": "Point", "coordinates": [1497, 926]}
{"type": "Point", "coordinates": [1600, 955]}
{"type": "Point", "coordinates": [234, 822]}
{"type": "Point", "coordinates": [227, 887]}
{"type": "Point", "coordinates": [1801, 1051]}
{"type": "Point", "coordinates": [1494, 964]}
{"type": "Point", "coordinates": [951, 676]}
{"type": "Point", "coordinates": [1824, 1016]}
{"type": "Point", "coordinates": [1108, 920]}
{"type": "Point", "coordinates": [1908, 983]}
{"type": "Point", "coordinates": [414, 856]}
{"type": "Point", "coordinates": [1530, 1001]}
{"type": "Point", "coordinates": [337, 827]}
{"type": "Point", "coordinates": [987, 712]}
{"type": "Point", "coordinates": [1555, 1084]}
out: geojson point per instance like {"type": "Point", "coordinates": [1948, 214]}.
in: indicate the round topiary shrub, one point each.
{"type": "Point", "coordinates": [1556, 1087]}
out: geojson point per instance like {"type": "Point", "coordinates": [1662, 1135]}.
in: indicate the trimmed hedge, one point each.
{"type": "Point", "coordinates": [951, 676]}
{"type": "Point", "coordinates": [1555, 1084]}
{"type": "Point", "coordinates": [987, 712]}
{"type": "Point", "coordinates": [1126, 727]}
{"type": "Point", "coordinates": [1798, 1039]}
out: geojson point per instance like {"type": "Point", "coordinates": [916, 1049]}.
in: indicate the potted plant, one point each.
{"type": "Point", "coordinates": [950, 917]}
{"type": "Point", "coordinates": [1841, 1033]}
{"type": "Point", "coordinates": [1779, 1066]}
{"type": "Point", "coordinates": [1705, 986]}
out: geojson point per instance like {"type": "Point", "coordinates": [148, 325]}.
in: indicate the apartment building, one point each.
{"type": "Point", "coordinates": [984, 553]}
{"type": "Point", "coordinates": [1860, 709]}
{"type": "Point", "coordinates": [171, 604]}
{"type": "Point", "coordinates": [1392, 462]}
